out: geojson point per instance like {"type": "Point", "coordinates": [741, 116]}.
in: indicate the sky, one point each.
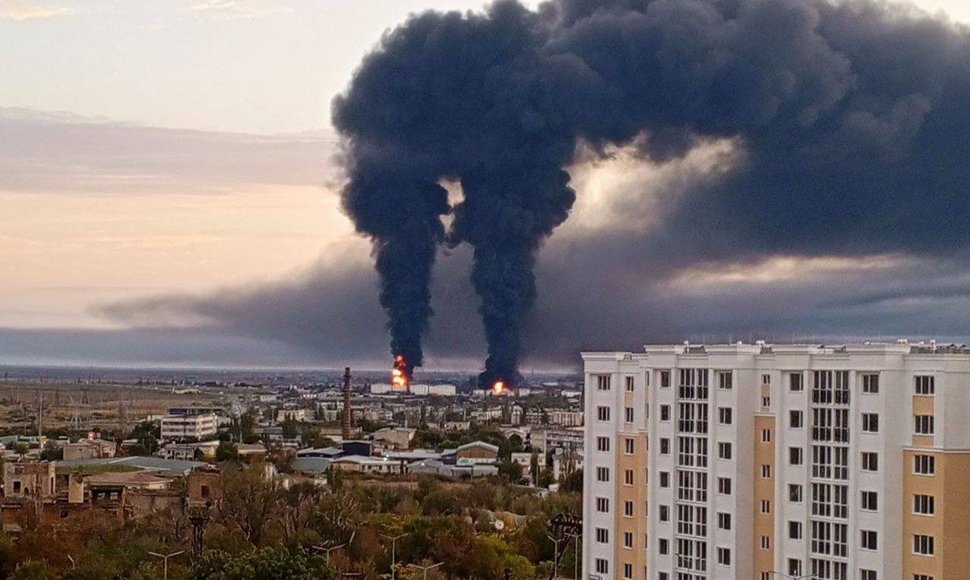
{"type": "Point", "coordinates": [170, 178]}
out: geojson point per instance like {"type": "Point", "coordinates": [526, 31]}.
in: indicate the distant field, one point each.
{"type": "Point", "coordinates": [87, 405]}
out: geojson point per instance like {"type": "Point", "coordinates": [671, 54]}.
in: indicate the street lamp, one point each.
{"type": "Point", "coordinates": [555, 554]}
{"type": "Point", "coordinates": [328, 550]}
{"type": "Point", "coordinates": [393, 540]}
{"type": "Point", "coordinates": [165, 558]}
{"type": "Point", "coordinates": [426, 568]}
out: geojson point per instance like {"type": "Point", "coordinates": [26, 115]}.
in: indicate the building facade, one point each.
{"type": "Point", "coordinates": [773, 461]}
{"type": "Point", "coordinates": [199, 427]}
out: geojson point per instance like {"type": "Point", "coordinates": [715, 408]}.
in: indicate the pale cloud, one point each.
{"type": "Point", "coordinates": [235, 10]}
{"type": "Point", "coordinates": [24, 11]}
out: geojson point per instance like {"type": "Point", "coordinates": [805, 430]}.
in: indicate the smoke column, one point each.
{"type": "Point", "coordinates": [857, 105]}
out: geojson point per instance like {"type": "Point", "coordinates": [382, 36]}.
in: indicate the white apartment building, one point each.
{"type": "Point", "coordinates": [764, 461]}
{"type": "Point", "coordinates": [201, 426]}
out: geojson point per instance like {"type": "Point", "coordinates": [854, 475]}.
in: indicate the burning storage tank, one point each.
{"type": "Point", "coordinates": [401, 374]}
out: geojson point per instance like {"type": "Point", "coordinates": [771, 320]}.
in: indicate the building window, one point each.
{"type": "Point", "coordinates": [795, 493]}
{"type": "Point", "coordinates": [870, 501]}
{"type": "Point", "coordinates": [765, 379]}
{"type": "Point", "coordinates": [628, 477]}
{"type": "Point", "coordinates": [870, 384]}
{"type": "Point", "coordinates": [925, 385]}
{"type": "Point", "coordinates": [628, 383]}
{"type": "Point", "coordinates": [665, 412]}
{"type": "Point", "coordinates": [924, 504]}
{"type": "Point", "coordinates": [795, 455]}
{"type": "Point", "coordinates": [664, 513]}
{"type": "Point", "coordinates": [723, 521]}
{"type": "Point", "coordinates": [603, 382]}
{"type": "Point", "coordinates": [602, 566]}
{"type": "Point", "coordinates": [766, 435]}
{"type": "Point", "coordinates": [870, 423]}
{"type": "Point", "coordinates": [796, 419]}
{"type": "Point", "coordinates": [664, 379]}
{"type": "Point", "coordinates": [602, 536]}
{"type": "Point", "coordinates": [628, 509]}
{"type": "Point", "coordinates": [665, 479]}
{"type": "Point", "coordinates": [664, 547]}
{"type": "Point", "coordinates": [725, 415]}
{"type": "Point", "coordinates": [923, 545]}
{"type": "Point", "coordinates": [867, 575]}
{"type": "Point", "coordinates": [602, 443]}
{"type": "Point", "coordinates": [765, 401]}
{"type": "Point", "coordinates": [628, 414]}
{"type": "Point", "coordinates": [794, 567]}
{"type": "Point", "coordinates": [765, 543]}
{"type": "Point", "coordinates": [602, 474]}
{"type": "Point", "coordinates": [724, 485]}
{"type": "Point", "coordinates": [870, 461]}
{"type": "Point", "coordinates": [627, 571]}
{"type": "Point", "coordinates": [627, 539]}
{"type": "Point", "coordinates": [602, 505]}
{"type": "Point", "coordinates": [724, 556]}
{"type": "Point", "coordinates": [766, 471]}
{"type": "Point", "coordinates": [924, 465]}
{"type": "Point", "coordinates": [923, 424]}
{"type": "Point", "coordinates": [628, 445]}
{"type": "Point", "coordinates": [603, 413]}
{"type": "Point", "coordinates": [724, 450]}
{"type": "Point", "coordinates": [795, 383]}
{"type": "Point", "coordinates": [870, 540]}
{"type": "Point", "coordinates": [664, 446]}
{"type": "Point", "coordinates": [765, 506]}
{"type": "Point", "coordinates": [725, 380]}
{"type": "Point", "coordinates": [922, 577]}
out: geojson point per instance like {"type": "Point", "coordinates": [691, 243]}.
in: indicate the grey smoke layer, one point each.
{"type": "Point", "coordinates": [853, 120]}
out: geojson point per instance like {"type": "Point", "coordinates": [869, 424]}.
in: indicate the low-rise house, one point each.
{"type": "Point", "coordinates": [478, 452]}
{"type": "Point", "coordinates": [89, 449]}
{"type": "Point", "coordinates": [394, 437]}
{"type": "Point", "coordinates": [366, 464]}
{"type": "Point", "coordinates": [29, 479]}
{"type": "Point", "coordinates": [299, 415]}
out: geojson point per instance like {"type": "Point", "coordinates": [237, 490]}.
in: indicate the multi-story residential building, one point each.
{"type": "Point", "coordinates": [200, 426]}
{"type": "Point", "coordinates": [778, 461]}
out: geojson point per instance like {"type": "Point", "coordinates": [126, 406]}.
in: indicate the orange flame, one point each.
{"type": "Point", "coordinates": [498, 388]}
{"type": "Point", "coordinates": [398, 376]}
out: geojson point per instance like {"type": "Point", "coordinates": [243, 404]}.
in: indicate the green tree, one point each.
{"type": "Point", "coordinates": [21, 449]}
{"type": "Point", "coordinates": [34, 570]}
{"type": "Point", "coordinates": [510, 471]}
{"type": "Point", "coordinates": [52, 452]}
{"type": "Point", "coordinates": [269, 563]}
{"type": "Point", "coordinates": [249, 501]}
{"type": "Point", "coordinates": [573, 482]}
{"type": "Point", "coordinates": [227, 451]}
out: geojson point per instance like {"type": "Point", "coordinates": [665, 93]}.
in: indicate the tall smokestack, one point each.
{"type": "Point", "coordinates": [348, 420]}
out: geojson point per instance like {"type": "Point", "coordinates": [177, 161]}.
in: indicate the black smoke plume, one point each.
{"type": "Point", "coordinates": [851, 120]}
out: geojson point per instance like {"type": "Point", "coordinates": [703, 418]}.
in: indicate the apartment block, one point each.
{"type": "Point", "coordinates": [199, 427]}
{"type": "Point", "coordinates": [777, 461]}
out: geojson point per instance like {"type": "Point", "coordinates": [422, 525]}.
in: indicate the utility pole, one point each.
{"type": "Point", "coordinates": [327, 550]}
{"type": "Point", "coordinates": [165, 558]}
{"type": "Point", "coordinates": [393, 540]}
{"type": "Point", "coordinates": [426, 568]}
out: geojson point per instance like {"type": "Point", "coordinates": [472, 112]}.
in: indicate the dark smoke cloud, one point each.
{"type": "Point", "coordinates": [852, 119]}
